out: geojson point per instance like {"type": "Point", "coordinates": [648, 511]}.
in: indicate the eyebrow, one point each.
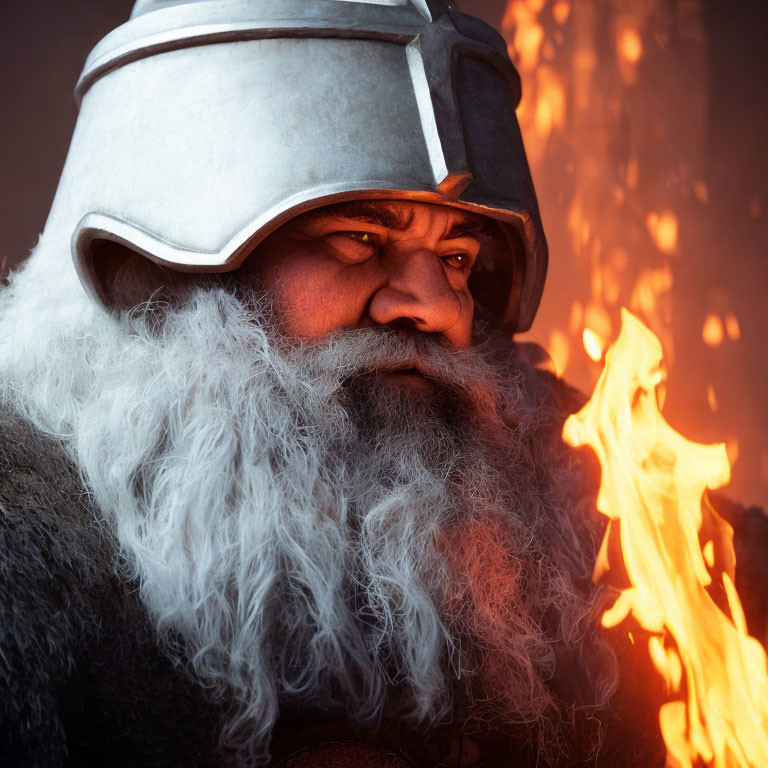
{"type": "Point", "coordinates": [395, 217]}
{"type": "Point", "coordinates": [474, 225]}
{"type": "Point", "coordinates": [368, 212]}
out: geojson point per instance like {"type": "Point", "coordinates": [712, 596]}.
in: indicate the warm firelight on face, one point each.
{"type": "Point", "coordinates": [652, 492]}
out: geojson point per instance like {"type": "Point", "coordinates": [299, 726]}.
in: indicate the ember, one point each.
{"type": "Point", "coordinates": [652, 492]}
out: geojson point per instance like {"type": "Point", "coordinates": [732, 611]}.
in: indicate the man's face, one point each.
{"type": "Point", "coordinates": [373, 263]}
{"type": "Point", "coordinates": [312, 534]}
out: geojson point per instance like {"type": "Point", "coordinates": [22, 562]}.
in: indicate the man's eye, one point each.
{"type": "Point", "coordinates": [458, 260]}
{"type": "Point", "coordinates": [353, 247]}
{"type": "Point", "coordinates": [366, 238]}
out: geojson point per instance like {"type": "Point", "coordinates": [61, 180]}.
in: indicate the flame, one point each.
{"type": "Point", "coordinates": [650, 286]}
{"type": "Point", "coordinates": [559, 63]}
{"type": "Point", "coordinates": [561, 10]}
{"type": "Point", "coordinates": [550, 106]}
{"type": "Point", "coordinates": [652, 492]}
{"type": "Point", "coordinates": [619, 163]}
{"type": "Point", "coordinates": [662, 228]}
{"type": "Point", "coordinates": [576, 318]}
{"type": "Point", "coordinates": [711, 398]}
{"type": "Point", "coordinates": [712, 331]}
{"type": "Point", "coordinates": [559, 350]}
{"type": "Point", "coordinates": [527, 34]}
{"type": "Point", "coordinates": [701, 191]}
{"type": "Point", "coordinates": [630, 45]}
{"type": "Point", "coordinates": [732, 327]}
{"type": "Point", "coordinates": [593, 344]}
{"type": "Point", "coordinates": [732, 449]}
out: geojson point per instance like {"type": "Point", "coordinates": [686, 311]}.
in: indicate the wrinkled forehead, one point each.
{"type": "Point", "coordinates": [402, 215]}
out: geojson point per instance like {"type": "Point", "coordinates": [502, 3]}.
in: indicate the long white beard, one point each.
{"type": "Point", "coordinates": [306, 535]}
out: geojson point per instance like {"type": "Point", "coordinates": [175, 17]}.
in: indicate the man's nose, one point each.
{"type": "Point", "coordinates": [417, 291]}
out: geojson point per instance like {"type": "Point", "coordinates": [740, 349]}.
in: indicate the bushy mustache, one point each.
{"type": "Point", "coordinates": [354, 358]}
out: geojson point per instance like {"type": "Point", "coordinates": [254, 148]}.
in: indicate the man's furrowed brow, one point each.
{"type": "Point", "coordinates": [369, 212]}
{"type": "Point", "coordinates": [470, 225]}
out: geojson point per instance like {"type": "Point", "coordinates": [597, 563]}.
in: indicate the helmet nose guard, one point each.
{"type": "Point", "coordinates": [206, 124]}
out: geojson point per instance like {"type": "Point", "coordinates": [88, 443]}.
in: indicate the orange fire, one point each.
{"type": "Point", "coordinates": [613, 94]}
{"type": "Point", "coordinates": [652, 489]}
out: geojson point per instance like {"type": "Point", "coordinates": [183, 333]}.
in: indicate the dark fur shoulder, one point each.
{"type": "Point", "coordinates": [53, 557]}
{"type": "Point", "coordinates": [83, 680]}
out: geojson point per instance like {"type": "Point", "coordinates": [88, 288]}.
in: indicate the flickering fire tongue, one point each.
{"type": "Point", "coordinates": [652, 492]}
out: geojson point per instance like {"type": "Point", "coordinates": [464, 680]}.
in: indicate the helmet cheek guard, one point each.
{"type": "Point", "coordinates": [204, 125]}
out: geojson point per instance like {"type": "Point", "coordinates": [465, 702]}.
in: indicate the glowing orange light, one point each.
{"type": "Point", "coordinates": [528, 43]}
{"type": "Point", "coordinates": [732, 327]}
{"type": "Point", "coordinates": [662, 228]}
{"type": "Point", "coordinates": [521, 21]}
{"type": "Point", "coordinates": [630, 45]}
{"type": "Point", "coordinates": [661, 395]}
{"type": "Point", "coordinates": [701, 191]}
{"type": "Point", "coordinates": [598, 319]}
{"type": "Point", "coordinates": [709, 553]}
{"type": "Point", "coordinates": [649, 288]}
{"type": "Point", "coordinates": [585, 60]}
{"type": "Point", "coordinates": [632, 174]}
{"type": "Point", "coordinates": [593, 344]}
{"type": "Point", "coordinates": [652, 492]}
{"type": "Point", "coordinates": [561, 10]}
{"type": "Point", "coordinates": [575, 318]}
{"type": "Point", "coordinates": [550, 104]}
{"type": "Point", "coordinates": [712, 331]}
{"type": "Point", "coordinates": [559, 350]}
{"type": "Point", "coordinates": [611, 285]}
{"type": "Point", "coordinates": [711, 398]}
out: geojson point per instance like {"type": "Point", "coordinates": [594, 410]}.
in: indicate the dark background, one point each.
{"type": "Point", "coordinates": [44, 43]}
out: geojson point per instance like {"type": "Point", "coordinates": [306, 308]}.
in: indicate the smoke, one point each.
{"type": "Point", "coordinates": [307, 532]}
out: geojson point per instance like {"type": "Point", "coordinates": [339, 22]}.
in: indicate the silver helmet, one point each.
{"type": "Point", "coordinates": [206, 124]}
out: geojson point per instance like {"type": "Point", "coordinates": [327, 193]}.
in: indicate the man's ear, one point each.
{"type": "Point", "coordinates": [127, 278]}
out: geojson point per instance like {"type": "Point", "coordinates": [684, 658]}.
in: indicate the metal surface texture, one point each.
{"type": "Point", "coordinates": [206, 124]}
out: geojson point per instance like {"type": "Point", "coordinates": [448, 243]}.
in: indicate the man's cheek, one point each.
{"type": "Point", "coordinates": [314, 308]}
{"type": "Point", "coordinates": [461, 334]}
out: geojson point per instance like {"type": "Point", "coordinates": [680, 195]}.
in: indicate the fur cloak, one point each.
{"type": "Point", "coordinates": [83, 681]}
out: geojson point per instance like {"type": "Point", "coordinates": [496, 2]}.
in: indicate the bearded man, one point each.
{"type": "Point", "coordinates": [278, 485]}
